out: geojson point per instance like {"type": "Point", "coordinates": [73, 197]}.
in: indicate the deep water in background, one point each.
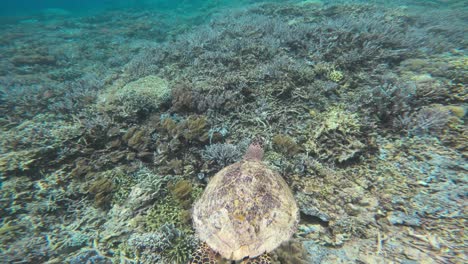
{"type": "Point", "coordinates": [116, 114]}
{"type": "Point", "coordinates": [30, 7]}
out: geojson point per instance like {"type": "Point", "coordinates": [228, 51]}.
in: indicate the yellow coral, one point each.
{"type": "Point", "coordinates": [337, 118]}
{"type": "Point", "coordinates": [337, 135]}
{"type": "Point", "coordinates": [335, 75]}
{"type": "Point", "coordinates": [461, 63]}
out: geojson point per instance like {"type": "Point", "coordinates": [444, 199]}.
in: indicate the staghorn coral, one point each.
{"type": "Point", "coordinates": [167, 244]}
{"type": "Point", "coordinates": [222, 154]}
{"type": "Point", "coordinates": [19, 161]}
{"type": "Point", "coordinates": [427, 120]}
{"type": "Point", "coordinates": [148, 186]}
{"type": "Point", "coordinates": [24, 100]}
{"type": "Point", "coordinates": [42, 131]}
{"type": "Point", "coordinates": [388, 100]}
{"type": "Point", "coordinates": [173, 207]}
{"type": "Point", "coordinates": [194, 97]}
{"type": "Point", "coordinates": [27, 249]}
{"type": "Point", "coordinates": [253, 71]}
{"type": "Point", "coordinates": [89, 256]}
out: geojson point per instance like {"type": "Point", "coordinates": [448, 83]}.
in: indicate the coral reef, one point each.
{"type": "Point", "coordinates": [221, 153]}
{"type": "Point", "coordinates": [338, 137]}
{"type": "Point", "coordinates": [113, 122]}
{"type": "Point", "coordinates": [101, 189]}
{"type": "Point", "coordinates": [285, 144]}
{"type": "Point", "coordinates": [167, 244]}
{"type": "Point", "coordinates": [143, 95]}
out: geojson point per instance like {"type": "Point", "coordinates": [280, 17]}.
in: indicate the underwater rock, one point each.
{"type": "Point", "coordinates": [321, 254]}
{"type": "Point", "coordinates": [344, 206]}
{"type": "Point", "coordinates": [290, 252]}
{"type": "Point", "coordinates": [33, 60]}
{"type": "Point", "coordinates": [310, 210]}
{"type": "Point", "coordinates": [140, 197]}
{"type": "Point", "coordinates": [400, 218]}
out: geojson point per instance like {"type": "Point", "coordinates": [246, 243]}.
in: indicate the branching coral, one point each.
{"type": "Point", "coordinates": [167, 211]}
{"type": "Point", "coordinates": [426, 120]}
{"type": "Point", "coordinates": [166, 244]}
{"type": "Point", "coordinates": [222, 153]}
{"type": "Point", "coordinates": [387, 101]}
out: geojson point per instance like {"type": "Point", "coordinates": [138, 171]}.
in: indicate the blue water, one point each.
{"type": "Point", "coordinates": [24, 7]}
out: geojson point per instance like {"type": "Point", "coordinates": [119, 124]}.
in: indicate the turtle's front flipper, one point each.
{"type": "Point", "coordinates": [204, 255]}
{"type": "Point", "coordinates": [262, 259]}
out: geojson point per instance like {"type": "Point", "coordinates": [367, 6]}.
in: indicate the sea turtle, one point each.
{"type": "Point", "coordinates": [246, 211]}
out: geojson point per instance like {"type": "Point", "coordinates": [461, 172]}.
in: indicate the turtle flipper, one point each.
{"type": "Point", "coordinates": [262, 259]}
{"type": "Point", "coordinates": [204, 255]}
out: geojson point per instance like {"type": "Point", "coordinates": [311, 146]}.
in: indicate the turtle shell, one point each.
{"type": "Point", "coordinates": [246, 210]}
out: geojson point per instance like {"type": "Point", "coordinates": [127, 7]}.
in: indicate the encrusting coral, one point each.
{"type": "Point", "coordinates": [142, 95]}
{"type": "Point", "coordinates": [338, 137]}
{"type": "Point", "coordinates": [285, 144]}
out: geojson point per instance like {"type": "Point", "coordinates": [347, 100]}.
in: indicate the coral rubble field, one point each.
{"type": "Point", "coordinates": [112, 124]}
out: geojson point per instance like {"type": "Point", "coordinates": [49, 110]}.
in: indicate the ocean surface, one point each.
{"type": "Point", "coordinates": [151, 131]}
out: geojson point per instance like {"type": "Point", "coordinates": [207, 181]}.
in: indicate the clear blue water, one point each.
{"type": "Point", "coordinates": [24, 7]}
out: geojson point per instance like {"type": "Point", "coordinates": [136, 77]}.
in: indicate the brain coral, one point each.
{"type": "Point", "coordinates": [143, 94]}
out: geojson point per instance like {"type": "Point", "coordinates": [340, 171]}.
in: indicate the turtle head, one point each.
{"type": "Point", "coordinates": [254, 151]}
